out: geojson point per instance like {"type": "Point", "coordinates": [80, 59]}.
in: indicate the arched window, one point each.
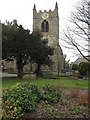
{"type": "Point", "coordinates": [42, 26]}
{"type": "Point", "coordinates": [45, 26]}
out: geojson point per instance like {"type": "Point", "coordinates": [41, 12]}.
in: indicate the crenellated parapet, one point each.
{"type": "Point", "coordinates": [50, 11]}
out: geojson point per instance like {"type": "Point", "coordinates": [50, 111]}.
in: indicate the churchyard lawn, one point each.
{"type": "Point", "coordinates": [62, 81]}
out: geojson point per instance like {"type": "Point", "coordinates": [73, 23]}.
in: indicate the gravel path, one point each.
{"type": "Point", "coordinates": [82, 91]}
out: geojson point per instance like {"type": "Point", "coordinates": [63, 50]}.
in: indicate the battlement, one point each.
{"type": "Point", "coordinates": [45, 11]}
{"type": "Point", "coordinates": [50, 11]}
{"type": "Point", "coordinates": [40, 11]}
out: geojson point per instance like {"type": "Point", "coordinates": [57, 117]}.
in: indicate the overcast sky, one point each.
{"type": "Point", "coordinates": [22, 11]}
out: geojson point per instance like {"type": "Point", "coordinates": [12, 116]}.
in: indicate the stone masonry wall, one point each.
{"type": "Point", "coordinates": [52, 35]}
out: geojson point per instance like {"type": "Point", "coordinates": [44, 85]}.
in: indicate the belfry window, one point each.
{"type": "Point", "coordinates": [45, 26]}
{"type": "Point", "coordinates": [42, 26]}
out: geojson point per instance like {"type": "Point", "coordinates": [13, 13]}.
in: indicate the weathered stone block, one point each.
{"type": "Point", "coordinates": [29, 76]}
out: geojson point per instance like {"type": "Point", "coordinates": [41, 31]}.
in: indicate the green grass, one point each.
{"type": "Point", "coordinates": [83, 84]}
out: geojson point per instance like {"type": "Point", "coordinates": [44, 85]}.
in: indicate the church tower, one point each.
{"type": "Point", "coordinates": [48, 23]}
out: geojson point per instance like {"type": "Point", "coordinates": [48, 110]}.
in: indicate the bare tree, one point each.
{"type": "Point", "coordinates": [77, 35]}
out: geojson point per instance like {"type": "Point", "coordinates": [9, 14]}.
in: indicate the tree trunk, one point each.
{"type": "Point", "coordinates": [20, 73]}
{"type": "Point", "coordinates": [38, 70]}
{"type": "Point", "coordinates": [19, 68]}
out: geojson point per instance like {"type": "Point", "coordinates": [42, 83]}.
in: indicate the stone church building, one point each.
{"type": "Point", "coordinates": [48, 23]}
